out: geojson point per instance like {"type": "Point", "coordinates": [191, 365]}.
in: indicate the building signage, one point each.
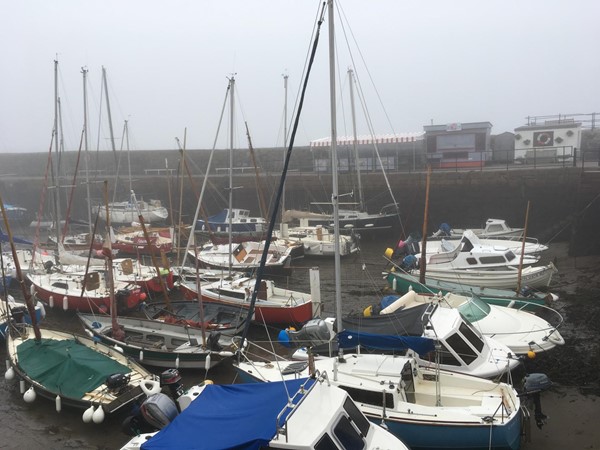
{"type": "Point", "coordinates": [453, 127]}
{"type": "Point", "coordinates": [543, 139]}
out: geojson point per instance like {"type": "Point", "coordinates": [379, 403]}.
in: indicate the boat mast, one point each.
{"type": "Point", "coordinates": [26, 292]}
{"type": "Point", "coordinates": [84, 71]}
{"type": "Point", "coordinates": [110, 126]}
{"type": "Point", "coordinates": [334, 172]}
{"type": "Point", "coordinates": [56, 177]}
{"type": "Point", "coordinates": [361, 203]}
{"type": "Point", "coordinates": [231, 118]}
{"type": "Point", "coordinates": [285, 133]}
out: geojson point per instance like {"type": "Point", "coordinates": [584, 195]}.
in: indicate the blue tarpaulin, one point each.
{"type": "Point", "coordinates": [351, 339]}
{"type": "Point", "coordinates": [237, 416]}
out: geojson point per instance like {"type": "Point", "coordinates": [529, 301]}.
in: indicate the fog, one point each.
{"type": "Point", "coordinates": [168, 65]}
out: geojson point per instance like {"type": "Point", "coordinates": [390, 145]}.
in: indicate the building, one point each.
{"type": "Point", "coordinates": [458, 144]}
{"type": "Point", "coordinates": [390, 152]}
{"type": "Point", "coordinates": [552, 141]}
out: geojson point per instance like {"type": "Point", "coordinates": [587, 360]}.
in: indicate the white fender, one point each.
{"type": "Point", "coordinates": [207, 362]}
{"type": "Point", "coordinates": [98, 416]}
{"type": "Point", "coordinates": [87, 414]}
{"type": "Point", "coordinates": [51, 301]}
{"type": "Point", "coordinates": [22, 387]}
{"type": "Point", "coordinates": [65, 303]}
{"type": "Point", "coordinates": [9, 374]}
{"type": "Point", "coordinates": [117, 348]}
{"type": "Point", "coordinates": [150, 387]}
{"type": "Point", "coordinates": [58, 403]}
{"type": "Point", "coordinates": [141, 355]}
{"type": "Point", "coordinates": [30, 395]}
{"type": "Point", "coordinates": [177, 362]}
{"type": "Point", "coordinates": [42, 310]}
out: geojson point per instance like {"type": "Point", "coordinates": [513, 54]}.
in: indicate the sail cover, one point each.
{"type": "Point", "coordinates": [351, 339]}
{"type": "Point", "coordinates": [66, 367]}
{"type": "Point", "coordinates": [240, 416]}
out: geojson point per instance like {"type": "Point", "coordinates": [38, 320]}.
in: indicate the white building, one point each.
{"type": "Point", "coordinates": [555, 140]}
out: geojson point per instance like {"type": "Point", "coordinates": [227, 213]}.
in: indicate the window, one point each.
{"type": "Point", "coordinates": [447, 357]}
{"type": "Point", "coordinates": [347, 435]}
{"type": "Point", "coordinates": [326, 443]}
{"type": "Point", "coordinates": [499, 259]}
{"type": "Point", "coordinates": [356, 416]}
{"type": "Point", "coordinates": [456, 141]}
{"type": "Point", "coordinates": [369, 397]}
{"type": "Point", "coordinates": [475, 309]}
{"type": "Point", "coordinates": [471, 336]}
{"type": "Point", "coordinates": [460, 346]}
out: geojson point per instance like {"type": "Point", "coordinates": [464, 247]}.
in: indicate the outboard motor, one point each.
{"type": "Point", "coordinates": [533, 385]}
{"type": "Point", "coordinates": [444, 230]}
{"type": "Point", "coordinates": [48, 266]}
{"type": "Point", "coordinates": [18, 313]}
{"type": "Point", "coordinates": [158, 410]}
{"type": "Point", "coordinates": [213, 341]}
{"type": "Point", "coordinates": [526, 291]}
{"type": "Point", "coordinates": [315, 332]}
{"type": "Point", "coordinates": [117, 381]}
{"type": "Point", "coordinates": [409, 262]}
{"type": "Point", "coordinates": [172, 379]}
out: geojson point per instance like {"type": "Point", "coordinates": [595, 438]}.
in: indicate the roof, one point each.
{"type": "Point", "coordinates": [549, 126]}
{"type": "Point", "coordinates": [370, 139]}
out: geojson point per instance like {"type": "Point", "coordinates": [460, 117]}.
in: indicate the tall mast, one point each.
{"type": "Point", "coordinates": [231, 121]}
{"type": "Point", "coordinates": [110, 126]}
{"type": "Point", "coordinates": [354, 141]}
{"type": "Point", "coordinates": [285, 133]}
{"type": "Point", "coordinates": [56, 171]}
{"type": "Point", "coordinates": [334, 172]}
{"type": "Point", "coordinates": [84, 71]}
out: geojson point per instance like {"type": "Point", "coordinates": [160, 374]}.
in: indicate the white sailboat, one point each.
{"type": "Point", "coordinates": [128, 211]}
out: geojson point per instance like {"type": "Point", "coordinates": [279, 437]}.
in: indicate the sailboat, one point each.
{"type": "Point", "coordinates": [128, 211]}
{"type": "Point", "coordinates": [357, 219]}
{"type": "Point", "coordinates": [425, 406]}
{"type": "Point", "coordinates": [70, 369]}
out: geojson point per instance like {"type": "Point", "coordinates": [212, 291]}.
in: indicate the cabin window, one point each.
{"type": "Point", "coordinates": [356, 416]}
{"type": "Point", "coordinates": [325, 443]}
{"type": "Point", "coordinates": [347, 435]}
{"type": "Point", "coordinates": [495, 228]}
{"type": "Point", "coordinates": [475, 309]}
{"type": "Point", "coordinates": [233, 294]}
{"type": "Point", "coordinates": [242, 220]}
{"type": "Point", "coordinates": [472, 261]}
{"type": "Point", "coordinates": [471, 336]}
{"type": "Point", "coordinates": [510, 256]}
{"type": "Point", "coordinates": [60, 285]}
{"type": "Point", "coordinates": [462, 348]}
{"type": "Point", "coordinates": [496, 259]}
{"type": "Point", "coordinates": [370, 397]}
{"type": "Point", "coordinates": [447, 357]}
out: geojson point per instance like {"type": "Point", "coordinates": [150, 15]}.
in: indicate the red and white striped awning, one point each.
{"type": "Point", "coordinates": [369, 140]}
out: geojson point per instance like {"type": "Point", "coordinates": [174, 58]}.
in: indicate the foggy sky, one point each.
{"type": "Point", "coordinates": [168, 63]}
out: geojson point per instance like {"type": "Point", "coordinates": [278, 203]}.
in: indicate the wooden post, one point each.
{"type": "Point", "coordinates": [423, 262]}
{"type": "Point", "coordinates": [522, 250]}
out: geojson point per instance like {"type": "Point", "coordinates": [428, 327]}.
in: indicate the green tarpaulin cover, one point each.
{"type": "Point", "coordinates": [66, 367]}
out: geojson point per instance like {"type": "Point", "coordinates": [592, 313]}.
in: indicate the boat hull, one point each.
{"type": "Point", "coordinates": [425, 435]}
{"type": "Point", "coordinates": [401, 283]}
